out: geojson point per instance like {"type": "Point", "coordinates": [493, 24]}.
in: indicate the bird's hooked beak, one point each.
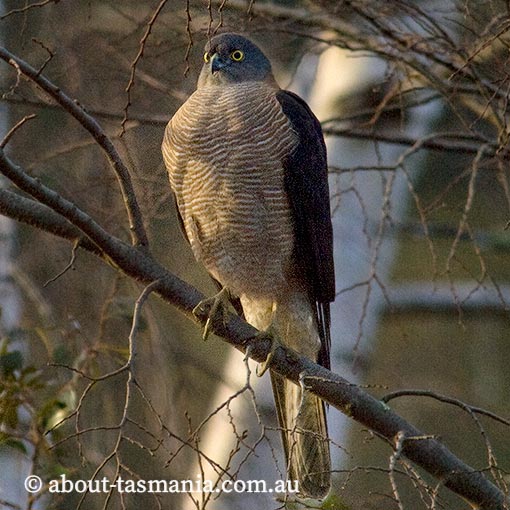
{"type": "Point", "coordinates": [217, 63]}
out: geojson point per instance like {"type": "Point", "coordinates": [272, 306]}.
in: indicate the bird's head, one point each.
{"type": "Point", "coordinates": [232, 58]}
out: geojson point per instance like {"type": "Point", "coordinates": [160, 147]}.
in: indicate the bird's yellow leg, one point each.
{"type": "Point", "coordinates": [272, 334]}
{"type": "Point", "coordinates": [214, 307]}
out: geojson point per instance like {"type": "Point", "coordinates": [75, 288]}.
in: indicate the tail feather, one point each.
{"type": "Point", "coordinates": [302, 418]}
{"type": "Point", "coordinates": [301, 415]}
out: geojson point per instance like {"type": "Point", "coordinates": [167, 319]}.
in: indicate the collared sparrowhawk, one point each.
{"type": "Point", "coordinates": [247, 165]}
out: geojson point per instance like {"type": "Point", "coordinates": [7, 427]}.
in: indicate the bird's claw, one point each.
{"type": "Point", "coordinates": [214, 307]}
{"type": "Point", "coordinates": [275, 343]}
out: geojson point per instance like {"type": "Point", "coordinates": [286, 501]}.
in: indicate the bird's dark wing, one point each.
{"type": "Point", "coordinates": [306, 184]}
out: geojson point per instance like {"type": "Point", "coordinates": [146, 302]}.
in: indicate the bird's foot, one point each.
{"type": "Point", "coordinates": [215, 307]}
{"type": "Point", "coordinates": [271, 334]}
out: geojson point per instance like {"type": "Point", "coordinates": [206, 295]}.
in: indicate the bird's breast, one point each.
{"type": "Point", "coordinates": [224, 150]}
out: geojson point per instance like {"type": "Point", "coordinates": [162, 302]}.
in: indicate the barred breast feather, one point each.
{"type": "Point", "coordinates": [224, 150]}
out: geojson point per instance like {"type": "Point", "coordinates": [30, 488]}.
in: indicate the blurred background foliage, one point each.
{"type": "Point", "coordinates": [445, 319]}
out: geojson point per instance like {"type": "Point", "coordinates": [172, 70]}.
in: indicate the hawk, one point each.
{"type": "Point", "coordinates": [247, 165]}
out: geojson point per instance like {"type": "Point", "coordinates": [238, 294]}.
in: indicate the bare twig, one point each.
{"type": "Point", "coordinates": [444, 142]}
{"type": "Point", "coordinates": [394, 457]}
{"type": "Point", "coordinates": [26, 8]}
{"type": "Point", "coordinates": [473, 412]}
{"type": "Point", "coordinates": [51, 54]}
{"type": "Point", "coordinates": [14, 128]}
{"type": "Point", "coordinates": [446, 399]}
{"type": "Point", "coordinates": [139, 55]}
{"type": "Point", "coordinates": [463, 224]}
{"type": "Point", "coordinates": [8, 504]}
{"type": "Point", "coordinates": [68, 266]}
{"type": "Point", "coordinates": [152, 287]}
{"type": "Point", "coordinates": [189, 33]}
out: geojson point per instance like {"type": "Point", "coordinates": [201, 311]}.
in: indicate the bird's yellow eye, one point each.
{"type": "Point", "coordinates": [207, 57]}
{"type": "Point", "coordinates": [237, 55]}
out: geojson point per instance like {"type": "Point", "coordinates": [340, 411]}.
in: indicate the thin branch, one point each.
{"type": "Point", "coordinates": [50, 53]}
{"type": "Point", "coordinates": [138, 57]}
{"type": "Point", "coordinates": [447, 400]}
{"type": "Point", "coordinates": [189, 33]}
{"type": "Point", "coordinates": [397, 452]}
{"type": "Point", "coordinates": [152, 287]}
{"type": "Point", "coordinates": [8, 504]}
{"type": "Point", "coordinates": [154, 120]}
{"type": "Point", "coordinates": [14, 128]}
{"type": "Point", "coordinates": [28, 7]}
{"type": "Point", "coordinates": [69, 265]}
{"type": "Point", "coordinates": [449, 142]}
{"type": "Point", "coordinates": [138, 234]}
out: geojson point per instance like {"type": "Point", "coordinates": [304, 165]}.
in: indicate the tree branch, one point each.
{"type": "Point", "coordinates": [418, 447]}
{"type": "Point", "coordinates": [37, 215]}
{"type": "Point", "coordinates": [138, 234]}
{"type": "Point", "coordinates": [151, 120]}
{"type": "Point", "coordinates": [445, 399]}
{"type": "Point", "coordinates": [444, 142]}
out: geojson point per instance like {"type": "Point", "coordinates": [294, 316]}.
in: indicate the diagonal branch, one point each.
{"type": "Point", "coordinates": [42, 217]}
{"type": "Point", "coordinates": [138, 234]}
{"type": "Point", "coordinates": [422, 449]}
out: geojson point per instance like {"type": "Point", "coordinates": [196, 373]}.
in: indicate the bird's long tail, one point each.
{"type": "Point", "coordinates": [302, 418]}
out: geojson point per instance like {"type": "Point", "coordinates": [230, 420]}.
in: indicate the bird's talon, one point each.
{"type": "Point", "coordinates": [214, 308]}
{"type": "Point", "coordinates": [207, 329]}
{"type": "Point", "coordinates": [264, 366]}
{"type": "Point", "coordinates": [200, 309]}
